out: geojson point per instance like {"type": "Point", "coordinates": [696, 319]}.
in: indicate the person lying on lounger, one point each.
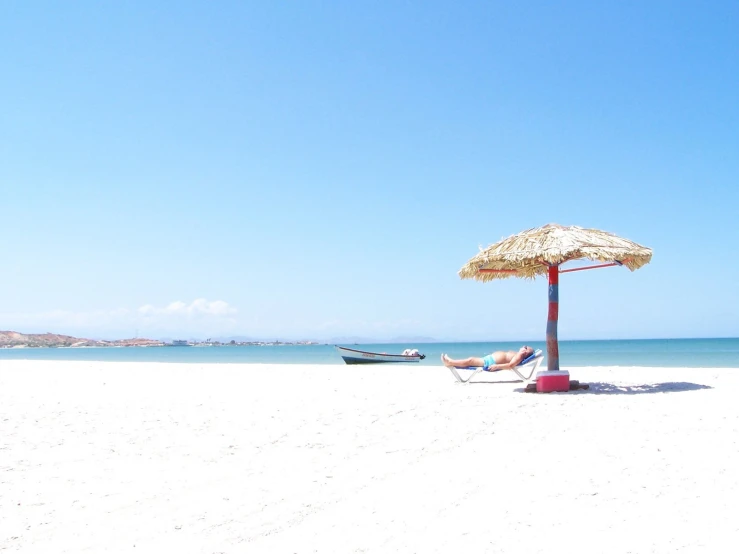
{"type": "Point", "coordinates": [499, 359]}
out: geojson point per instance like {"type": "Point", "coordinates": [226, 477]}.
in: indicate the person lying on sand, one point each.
{"type": "Point", "coordinates": [492, 362]}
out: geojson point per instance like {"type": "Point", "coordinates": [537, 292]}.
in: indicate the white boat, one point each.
{"type": "Point", "coordinates": [352, 356]}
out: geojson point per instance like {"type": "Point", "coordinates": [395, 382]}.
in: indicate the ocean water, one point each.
{"type": "Point", "coordinates": [721, 352]}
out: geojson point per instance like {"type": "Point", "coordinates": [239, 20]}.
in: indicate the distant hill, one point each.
{"type": "Point", "coordinates": [13, 339]}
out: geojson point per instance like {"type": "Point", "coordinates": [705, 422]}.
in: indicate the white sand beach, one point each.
{"type": "Point", "coordinates": [146, 457]}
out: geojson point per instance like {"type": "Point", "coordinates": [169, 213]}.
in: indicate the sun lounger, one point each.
{"type": "Point", "coordinates": [528, 365]}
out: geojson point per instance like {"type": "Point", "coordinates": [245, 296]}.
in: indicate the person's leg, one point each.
{"type": "Point", "coordinates": [465, 362]}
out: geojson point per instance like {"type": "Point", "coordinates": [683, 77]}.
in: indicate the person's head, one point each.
{"type": "Point", "coordinates": [526, 351]}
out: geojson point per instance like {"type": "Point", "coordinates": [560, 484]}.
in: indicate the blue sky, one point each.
{"type": "Point", "coordinates": [323, 169]}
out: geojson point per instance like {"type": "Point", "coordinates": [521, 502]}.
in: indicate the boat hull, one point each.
{"type": "Point", "coordinates": [356, 357]}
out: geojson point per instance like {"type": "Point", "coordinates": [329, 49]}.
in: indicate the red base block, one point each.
{"type": "Point", "coordinates": [553, 381]}
{"type": "Point", "coordinates": [574, 385]}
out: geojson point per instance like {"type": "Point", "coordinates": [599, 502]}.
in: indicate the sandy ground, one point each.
{"type": "Point", "coordinates": [144, 457]}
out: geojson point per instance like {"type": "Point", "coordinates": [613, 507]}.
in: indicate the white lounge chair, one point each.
{"type": "Point", "coordinates": [531, 363]}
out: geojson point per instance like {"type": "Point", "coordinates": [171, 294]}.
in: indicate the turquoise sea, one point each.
{"type": "Point", "coordinates": [723, 352]}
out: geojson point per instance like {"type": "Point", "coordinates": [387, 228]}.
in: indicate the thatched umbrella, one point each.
{"type": "Point", "coordinates": [541, 251]}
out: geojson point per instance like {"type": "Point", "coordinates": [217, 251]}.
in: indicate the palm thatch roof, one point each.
{"type": "Point", "coordinates": [530, 253]}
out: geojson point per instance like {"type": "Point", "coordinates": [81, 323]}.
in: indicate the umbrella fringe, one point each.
{"type": "Point", "coordinates": [529, 254]}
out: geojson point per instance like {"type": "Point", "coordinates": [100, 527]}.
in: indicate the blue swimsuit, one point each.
{"type": "Point", "coordinates": [487, 361]}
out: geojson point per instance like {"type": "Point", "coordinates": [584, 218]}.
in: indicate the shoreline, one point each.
{"type": "Point", "coordinates": [5, 363]}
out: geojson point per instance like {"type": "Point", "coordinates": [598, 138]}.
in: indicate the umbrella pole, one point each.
{"type": "Point", "coordinates": [552, 344]}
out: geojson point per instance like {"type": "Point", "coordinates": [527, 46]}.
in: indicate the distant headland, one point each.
{"type": "Point", "coordinates": [13, 339]}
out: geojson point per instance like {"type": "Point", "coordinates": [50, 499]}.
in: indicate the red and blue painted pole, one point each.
{"type": "Point", "coordinates": [552, 344]}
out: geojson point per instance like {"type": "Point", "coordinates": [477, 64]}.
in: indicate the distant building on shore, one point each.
{"type": "Point", "coordinates": [180, 343]}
